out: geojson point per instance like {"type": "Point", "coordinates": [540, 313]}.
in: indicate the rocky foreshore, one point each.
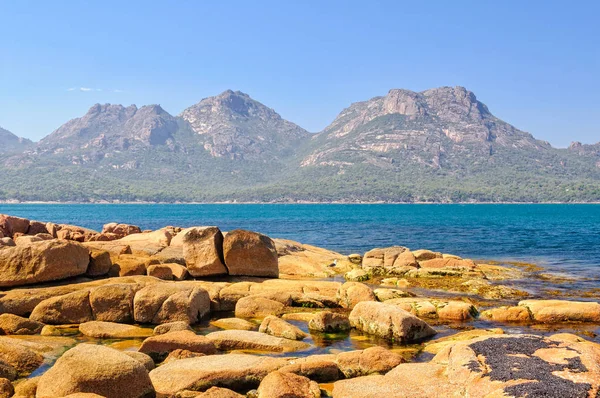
{"type": "Point", "coordinates": [198, 312]}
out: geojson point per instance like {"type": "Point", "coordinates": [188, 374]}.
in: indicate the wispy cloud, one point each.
{"type": "Point", "coordinates": [89, 89]}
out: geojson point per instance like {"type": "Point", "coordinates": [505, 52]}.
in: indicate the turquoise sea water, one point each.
{"type": "Point", "coordinates": [562, 238]}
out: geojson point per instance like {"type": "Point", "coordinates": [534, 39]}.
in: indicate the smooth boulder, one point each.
{"type": "Point", "coordinates": [168, 302]}
{"type": "Point", "coordinates": [68, 308]}
{"type": "Point", "coordinates": [97, 369]}
{"type": "Point", "coordinates": [278, 327]}
{"type": "Point", "coordinates": [14, 324]}
{"type": "Point", "coordinates": [43, 261]}
{"type": "Point", "coordinates": [328, 322]}
{"type": "Point", "coordinates": [250, 254]}
{"type": "Point", "coordinates": [288, 385]}
{"type": "Point", "coordinates": [389, 321]}
{"type": "Point", "coordinates": [203, 251]}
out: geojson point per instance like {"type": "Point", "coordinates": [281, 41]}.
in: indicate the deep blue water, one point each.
{"type": "Point", "coordinates": [564, 238]}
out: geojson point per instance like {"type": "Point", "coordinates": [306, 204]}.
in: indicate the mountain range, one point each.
{"type": "Point", "coordinates": [439, 145]}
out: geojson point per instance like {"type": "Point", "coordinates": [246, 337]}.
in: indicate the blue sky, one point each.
{"type": "Point", "coordinates": [534, 63]}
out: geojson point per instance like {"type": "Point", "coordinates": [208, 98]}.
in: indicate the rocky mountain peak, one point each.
{"type": "Point", "coordinates": [455, 104]}
{"type": "Point", "coordinates": [113, 127]}
{"type": "Point", "coordinates": [429, 127]}
{"type": "Point", "coordinates": [403, 102]}
{"type": "Point", "coordinates": [229, 105]}
{"type": "Point", "coordinates": [236, 126]}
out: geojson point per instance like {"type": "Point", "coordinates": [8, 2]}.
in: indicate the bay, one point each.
{"type": "Point", "coordinates": [564, 238]}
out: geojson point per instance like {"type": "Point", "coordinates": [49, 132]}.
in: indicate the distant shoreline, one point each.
{"type": "Point", "coordinates": [8, 202]}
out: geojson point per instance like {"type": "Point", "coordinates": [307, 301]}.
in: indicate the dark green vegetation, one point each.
{"type": "Point", "coordinates": [441, 145]}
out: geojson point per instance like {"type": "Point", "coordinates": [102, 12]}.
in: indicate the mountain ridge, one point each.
{"type": "Point", "coordinates": [10, 142]}
{"type": "Point", "coordinates": [441, 144]}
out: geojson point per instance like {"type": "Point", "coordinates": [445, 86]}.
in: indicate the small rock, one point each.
{"type": "Point", "coordinates": [233, 324]}
{"type": "Point", "coordinates": [423, 255]}
{"type": "Point", "coordinates": [6, 388]}
{"type": "Point", "coordinates": [167, 272]}
{"type": "Point", "coordinates": [355, 258]}
{"type": "Point", "coordinates": [100, 263]}
{"type": "Point", "coordinates": [13, 324]}
{"type": "Point", "coordinates": [320, 368]}
{"type": "Point", "coordinates": [7, 242]}
{"type": "Point", "coordinates": [451, 263]}
{"type": "Point", "coordinates": [288, 385]}
{"type": "Point", "coordinates": [395, 260]}
{"type": "Point", "coordinates": [390, 294]}
{"type": "Point", "coordinates": [26, 388]}
{"type": "Point", "coordinates": [298, 316]}
{"type": "Point", "coordinates": [142, 358]}
{"type": "Point", "coordinates": [352, 293]}
{"type": "Point", "coordinates": [178, 354]}
{"type": "Point", "coordinates": [373, 360]}
{"type": "Point", "coordinates": [357, 275]}
{"type": "Point", "coordinates": [120, 230]}
{"type": "Point", "coordinates": [176, 326]}
{"type": "Point", "coordinates": [329, 322]}
{"type": "Point", "coordinates": [19, 355]}
{"type": "Point", "coordinates": [218, 392]}
{"type": "Point", "coordinates": [278, 327]}
{"type": "Point", "coordinates": [456, 311]}
{"type": "Point", "coordinates": [257, 307]}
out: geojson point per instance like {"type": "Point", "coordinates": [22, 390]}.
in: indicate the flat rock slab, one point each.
{"type": "Point", "coordinates": [233, 324]}
{"type": "Point", "coordinates": [235, 371]}
{"type": "Point", "coordinates": [492, 366]}
{"type": "Point", "coordinates": [554, 311]}
{"type": "Point", "coordinates": [228, 340]}
{"type": "Point", "coordinates": [184, 340]}
{"type": "Point", "coordinates": [111, 330]}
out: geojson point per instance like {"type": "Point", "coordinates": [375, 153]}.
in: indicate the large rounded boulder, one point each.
{"type": "Point", "coordinates": [98, 370]}
{"type": "Point", "coordinates": [250, 254]}
{"type": "Point", "coordinates": [43, 261]}
{"type": "Point", "coordinates": [203, 251]}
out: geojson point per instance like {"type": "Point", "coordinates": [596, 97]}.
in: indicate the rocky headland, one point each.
{"type": "Point", "coordinates": [200, 312]}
